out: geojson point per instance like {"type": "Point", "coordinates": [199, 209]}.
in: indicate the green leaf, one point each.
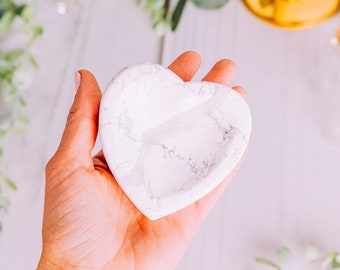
{"type": "Point", "coordinates": [6, 21]}
{"type": "Point", "coordinates": [337, 258]}
{"type": "Point", "coordinates": [26, 12]}
{"type": "Point", "coordinates": [19, 9]}
{"type": "Point", "coordinates": [155, 4]}
{"type": "Point", "coordinates": [335, 263]}
{"type": "Point", "coordinates": [14, 54]}
{"type": "Point", "coordinates": [33, 31]}
{"type": "Point", "coordinates": [150, 5]}
{"type": "Point", "coordinates": [3, 133]}
{"type": "Point", "coordinates": [157, 16]}
{"type": "Point", "coordinates": [10, 183]}
{"type": "Point", "coordinates": [266, 262]}
{"type": "Point", "coordinates": [210, 4]}
{"type": "Point", "coordinates": [20, 131]}
{"type": "Point", "coordinates": [4, 202]}
{"type": "Point", "coordinates": [38, 30]}
{"type": "Point", "coordinates": [1, 151]}
{"type": "Point", "coordinates": [33, 61]}
{"type": "Point", "coordinates": [6, 5]}
{"type": "Point", "coordinates": [177, 14]}
{"type": "Point", "coordinates": [22, 119]}
{"type": "Point", "coordinates": [284, 254]}
{"type": "Point", "coordinates": [6, 70]}
{"type": "Point", "coordinates": [22, 101]}
{"type": "Point", "coordinates": [12, 94]}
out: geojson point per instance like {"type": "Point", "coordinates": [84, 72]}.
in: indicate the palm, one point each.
{"type": "Point", "coordinates": [108, 230]}
{"type": "Point", "coordinates": [89, 223]}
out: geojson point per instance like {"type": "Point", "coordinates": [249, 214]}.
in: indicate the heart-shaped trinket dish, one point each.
{"type": "Point", "coordinates": [168, 142]}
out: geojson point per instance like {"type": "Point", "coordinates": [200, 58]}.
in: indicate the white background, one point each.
{"type": "Point", "coordinates": [287, 192]}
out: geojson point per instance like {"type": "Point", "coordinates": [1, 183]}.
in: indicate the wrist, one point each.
{"type": "Point", "coordinates": [47, 264]}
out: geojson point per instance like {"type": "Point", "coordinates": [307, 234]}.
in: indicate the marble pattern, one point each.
{"type": "Point", "coordinates": [168, 143]}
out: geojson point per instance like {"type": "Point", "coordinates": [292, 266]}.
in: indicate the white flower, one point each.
{"type": "Point", "coordinates": [162, 28]}
{"type": "Point", "coordinates": [23, 78]}
{"type": "Point", "coordinates": [327, 262]}
{"type": "Point", "coordinates": [312, 253]}
{"type": "Point", "coordinates": [337, 258]}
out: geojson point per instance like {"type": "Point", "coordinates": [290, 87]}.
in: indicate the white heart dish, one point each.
{"type": "Point", "coordinates": [168, 142]}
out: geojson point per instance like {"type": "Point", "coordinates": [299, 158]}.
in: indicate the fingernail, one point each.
{"type": "Point", "coordinates": [77, 78]}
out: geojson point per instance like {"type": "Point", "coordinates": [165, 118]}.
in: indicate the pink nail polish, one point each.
{"type": "Point", "coordinates": [77, 78]}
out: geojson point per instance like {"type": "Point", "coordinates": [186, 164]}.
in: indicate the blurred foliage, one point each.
{"type": "Point", "coordinates": [286, 260]}
{"type": "Point", "coordinates": [12, 62]}
{"type": "Point", "coordinates": [165, 16]}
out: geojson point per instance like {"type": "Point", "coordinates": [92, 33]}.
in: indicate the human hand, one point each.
{"type": "Point", "coordinates": [89, 223]}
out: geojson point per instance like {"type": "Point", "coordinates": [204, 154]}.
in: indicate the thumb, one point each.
{"type": "Point", "coordinates": [81, 128]}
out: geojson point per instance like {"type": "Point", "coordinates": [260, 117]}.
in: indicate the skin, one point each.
{"type": "Point", "coordinates": [89, 223]}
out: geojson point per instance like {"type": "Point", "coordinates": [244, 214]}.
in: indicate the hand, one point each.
{"type": "Point", "coordinates": [89, 223]}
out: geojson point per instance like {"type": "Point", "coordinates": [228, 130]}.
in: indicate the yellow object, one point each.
{"type": "Point", "coordinates": [293, 13]}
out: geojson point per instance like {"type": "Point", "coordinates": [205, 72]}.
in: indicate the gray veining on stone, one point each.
{"type": "Point", "coordinates": [168, 143]}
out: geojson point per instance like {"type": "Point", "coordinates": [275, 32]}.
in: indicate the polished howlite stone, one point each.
{"type": "Point", "coordinates": [168, 143]}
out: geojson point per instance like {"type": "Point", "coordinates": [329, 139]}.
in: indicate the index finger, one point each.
{"type": "Point", "coordinates": [186, 65]}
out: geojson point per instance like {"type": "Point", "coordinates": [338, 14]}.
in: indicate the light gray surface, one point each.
{"type": "Point", "coordinates": [287, 190]}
